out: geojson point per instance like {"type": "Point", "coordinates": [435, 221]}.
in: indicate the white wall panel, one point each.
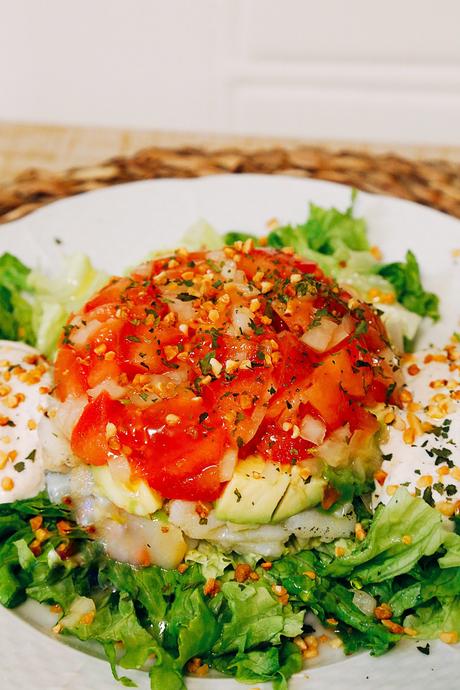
{"type": "Point", "coordinates": [413, 30]}
{"type": "Point", "coordinates": [344, 69]}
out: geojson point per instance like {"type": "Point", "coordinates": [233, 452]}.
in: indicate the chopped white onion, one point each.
{"type": "Point", "coordinates": [335, 451]}
{"type": "Point", "coordinates": [82, 333]}
{"type": "Point", "coordinates": [120, 469]}
{"type": "Point", "coordinates": [165, 385]}
{"type": "Point", "coordinates": [312, 429]}
{"type": "Point", "coordinates": [217, 256]}
{"type": "Point", "coordinates": [318, 337]}
{"type": "Point", "coordinates": [185, 310]}
{"type": "Point", "coordinates": [67, 414]}
{"type": "Point", "coordinates": [342, 331]}
{"type": "Point", "coordinates": [80, 607]}
{"type": "Point", "coordinates": [328, 334]}
{"type": "Point", "coordinates": [364, 602]}
{"type": "Point", "coordinates": [228, 270]}
{"type": "Point", "coordinates": [107, 386]}
{"type": "Point", "coordinates": [227, 465]}
{"type": "Point", "coordinates": [242, 316]}
{"type": "Point", "coordinates": [242, 285]}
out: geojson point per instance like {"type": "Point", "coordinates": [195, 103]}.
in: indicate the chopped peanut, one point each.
{"type": "Point", "coordinates": [211, 587]}
{"type": "Point", "coordinates": [449, 637]}
{"type": "Point", "coordinates": [242, 572]}
{"type": "Point", "coordinates": [383, 612]}
{"type": "Point", "coordinates": [393, 627]}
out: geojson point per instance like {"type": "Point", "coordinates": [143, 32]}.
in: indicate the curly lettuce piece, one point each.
{"type": "Point", "coordinates": [212, 560]}
{"type": "Point", "coordinates": [436, 618]}
{"type": "Point", "coordinates": [384, 554]}
{"type": "Point", "coordinates": [406, 279]}
{"type": "Point", "coordinates": [15, 310]}
{"type": "Point", "coordinates": [202, 234]}
{"type": "Point", "coordinates": [54, 299]}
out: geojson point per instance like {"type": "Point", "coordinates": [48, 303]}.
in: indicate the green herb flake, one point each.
{"type": "Point", "coordinates": [186, 297]}
{"type": "Point", "coordinates": [205, 362]}
{"type": "Point", "coordinates": [238, 495]}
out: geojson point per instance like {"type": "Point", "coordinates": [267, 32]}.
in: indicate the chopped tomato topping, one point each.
{"type": "Point", "coordinates": [196, 354]}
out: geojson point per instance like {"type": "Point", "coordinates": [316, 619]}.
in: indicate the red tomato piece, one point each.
{"type": "Point", "coordinates": [89, 437]}
{"type": "Point", "coordinates": [70, 374]}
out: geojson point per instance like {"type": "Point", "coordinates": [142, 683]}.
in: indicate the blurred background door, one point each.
{"type": "Point", "coordinates": [358, 70]}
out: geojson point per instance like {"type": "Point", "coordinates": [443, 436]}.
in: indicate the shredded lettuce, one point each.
{"type": "Point", "coordinates": [213, 562]}
{"type": "Point", "coordinates": [55, 298]}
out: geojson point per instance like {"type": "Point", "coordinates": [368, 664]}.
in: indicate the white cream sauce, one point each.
{"type": "Point", "coordinates": [427, 462]}
{"type": "Point", "coordinates": [24, 386]}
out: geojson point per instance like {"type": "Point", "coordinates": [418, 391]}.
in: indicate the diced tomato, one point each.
{"type": "Point", "coordinates": [90, 439]}
{"type": "Point", "coordinates": [102, 370]}
{"type": "Point", "coordinates": [70, 374]}
{"type": "Point", "coordinates": [179, 458]}
{"type": "Point", "coordinates": [142, 351]}
{"type": "Point", "coordinates": [277, 445]}
{"type": "Point", "coordinates": [242, 402]}
{"type": "Point", "coordinates": [110, 294]}
{"type": "Point", "coordinates": [329, 400]}
{"type": "Point", "coordinates": [186, 400]}
{"type": "Point", "coordinates": [364, 420]}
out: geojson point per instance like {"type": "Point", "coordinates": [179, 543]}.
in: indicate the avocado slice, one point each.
{"type": "Point", "coordinates": [134, 496]}
{"type": "Point", "coordinates": [253, 493]}
{"type": "Point", "coordinates": [300, 495]}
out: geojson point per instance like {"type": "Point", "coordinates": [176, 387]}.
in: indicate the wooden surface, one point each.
{"type": "Point", "coordinates": [39, 163]}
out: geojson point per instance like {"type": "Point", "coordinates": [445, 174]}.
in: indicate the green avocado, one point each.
{"type": "Point", "coordinates": [134, 496]}
{"type": "Point", "coordinates": [253, 493]}
{"type": "Point", "coordinates": [300, 495]}
{"type": "Point", "coordinates": [261, 492]}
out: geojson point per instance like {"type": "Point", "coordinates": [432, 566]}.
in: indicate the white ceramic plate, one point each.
{"type": "Point", "coordinates": [117, 227]}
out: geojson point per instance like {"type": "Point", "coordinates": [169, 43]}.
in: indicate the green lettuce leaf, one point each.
{"type": "Point", "coordinates": [55, 298]}
{"type": "Point", "coordinates": [119, 623]}
{"type": "Point", "coordinates": [157, 620]}
{"type": "Point", "coordinates": [383, 555]}
{"type": "Point", "coordinates": [443, 615]}
{"type": "Point", "coordinates": [427, 584]}
{"type": "Point", "coordinates": [451, 558]}
{"type": "Point", "coordinates": [212, 560]}
{"type": "Point", "coordinates": [202, 235]}
{"type": "Point", "coordinates": [236, 236]}
{"type": "Point", "coordinates": [405, 277]}
{"type": "Point", "coordinates": [330, 599]}
{"type": "Point", "coordinates": [273, 664]}
{"type": "Point", "coordinates": [256, 617]}
{"type": "Point", "coordinates": [15, 310]}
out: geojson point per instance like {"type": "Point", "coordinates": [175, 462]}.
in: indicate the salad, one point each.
{"type": "Point", "coordinates": [200, 455]}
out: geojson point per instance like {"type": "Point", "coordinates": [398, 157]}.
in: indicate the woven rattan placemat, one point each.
{"type": "Point", "coordinates": [433, 183]}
